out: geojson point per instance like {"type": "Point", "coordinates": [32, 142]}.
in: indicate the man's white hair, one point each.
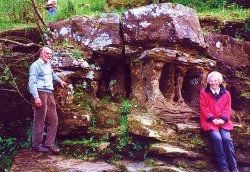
{"type": "Point", "coordinates": [216, 75]}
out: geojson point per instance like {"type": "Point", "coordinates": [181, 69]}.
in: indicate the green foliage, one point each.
{"type": "Point", "coordinates": [197, 141]}
{"type": "Point", "coordinates": [82, 98]}
{"type": "Point", "coordinates": [89, 142]}
{"type": "Point", "coordinates": [106, 99]}
{"type": "Point", "coordinates": [125, 107]}
{"type": "Point", "coordinates": [27, 143]}
{"type": "Point", "coordinates": [77, 54]}
{"type": "Point", "coordinates": [124, 139]}
{"type": "Point", "coordinates": [82, 149]}
{"type": "Point", "coordinates": [239, 37]}
{"type": "Point", "coordinates": [66, 9]}
{"type": "Point", "coordinates": [16, 12]}
{"type": "Point", "coordinates": [201, 5]}
{"type": "Point", "coordinates": [122, 142]}
{"type": "Point", "coordinates": [8, 146]}
{"type": "Point", "coordinates": [6, 76]}
{"type": "Point", "coordinates": [246, 27]}
{"type": "Point", "coordinates": [245, 94]}
{"type": "Point", "coordinates": [92, 124]}
{"type": "Point", "coordinates": [137, 146]}
{"type": "Point", "coordinates": [111, 83]}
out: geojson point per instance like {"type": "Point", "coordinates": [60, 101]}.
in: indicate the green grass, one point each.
{"type": "Point", "coordinates": [226, 14]}
{"type": "Point", "coordinates": [89, 142]}
{"type": "Point", "coordinates": [19, 13]}
{"type": "Point", "coordinates": [8, 25]}
{"type": "Point", "coordinates": [70, 8]}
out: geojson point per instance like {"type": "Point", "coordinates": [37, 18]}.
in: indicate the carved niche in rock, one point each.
{"type": "Point", "coordinates": [169, 76]}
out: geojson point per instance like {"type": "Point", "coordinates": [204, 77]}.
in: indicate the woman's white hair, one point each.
{"type": "Point", "coordinates": [216, 75]}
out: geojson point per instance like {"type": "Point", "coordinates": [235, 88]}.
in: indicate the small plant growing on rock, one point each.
{"type": "Point", "coordinates": [245, 94]}
{"type": "Point", "coordinates": [239, 37]}
{"type": "Point", "coordinates": [125, 107]}
{"type": "Point", "coordinates": [92, 124]}
{"type": "Point", "coordinates": [77, 54]}
{"type": "Point", "coordinates": [197, 141]}
{"type": "Point", "coordinates": [105, 99]}
{"type": "Point", "coordinates": [124, 139]}
{"type": "Point", "coordinates": [246, 27]}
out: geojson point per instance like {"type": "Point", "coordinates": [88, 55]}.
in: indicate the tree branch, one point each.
{"type": "Point", "coordinates": [38, 13]}
{"type": "Point", "coordinates": [14, 83]}
{"type": "Point", "coordinates": [18, 43]}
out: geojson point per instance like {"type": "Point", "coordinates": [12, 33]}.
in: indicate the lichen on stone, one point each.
{"type": "Point", "coordinates": [64, 31]}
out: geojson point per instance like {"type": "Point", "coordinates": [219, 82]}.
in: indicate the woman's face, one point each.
{"type": "Point", "coordinates": [214, 83]}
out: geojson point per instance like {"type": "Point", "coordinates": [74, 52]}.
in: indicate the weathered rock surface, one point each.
{"type": "Point", "coordinates": [179, 25]}
{"type": "Point", "coordinates": [93, 34]}
{"type": "Point", "coordinates": [148, 125]}
{"type": "Point", "coordinates": [155, 56]}
{"type": "Point", "coordinates": [234, 29]}
{"type": "Point", "coordinates": [170, 151]}
{"type": "Point", "coordinates": [228, 50]}
{"type": "Point", "coordinates": [45, 162]}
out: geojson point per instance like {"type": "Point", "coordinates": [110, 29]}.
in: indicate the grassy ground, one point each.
{"type": "Point", "coordinates": [19, 13]}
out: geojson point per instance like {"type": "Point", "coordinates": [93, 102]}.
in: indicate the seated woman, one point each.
{"type": "Point", "coordinates": [215, 111]}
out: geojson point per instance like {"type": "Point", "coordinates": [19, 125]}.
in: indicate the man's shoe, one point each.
{"type": "Point", "coordinates": [54, 150]}
{"type": "Point", "coordinates": [40, 149]}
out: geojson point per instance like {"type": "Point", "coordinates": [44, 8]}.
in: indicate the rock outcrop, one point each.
{"type": "Point", "coordinates": [157, 56]}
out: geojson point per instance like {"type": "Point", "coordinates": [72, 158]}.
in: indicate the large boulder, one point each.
{"type": "Point", "coordinates": [164, 24]}
{"type": "Point", "coordinates": [93, 34]}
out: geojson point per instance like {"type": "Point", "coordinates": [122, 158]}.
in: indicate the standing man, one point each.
{"type": "Point", "coordinates": [51, 7]}
{"type": "Point", "coordinates": [41, 78]}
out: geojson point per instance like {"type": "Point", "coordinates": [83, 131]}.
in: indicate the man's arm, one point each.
{"type": "Point", "coordinates": [57, 79]}
{"type": "Point", "coordinates": [33, 81]}
{"type": "Point", "coordinates": [33, 84]}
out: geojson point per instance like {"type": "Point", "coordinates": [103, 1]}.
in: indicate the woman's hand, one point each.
{"type": "Point", "coordinates": [215, 122]}
{"type": "Point", "coordinates": [221, 121]}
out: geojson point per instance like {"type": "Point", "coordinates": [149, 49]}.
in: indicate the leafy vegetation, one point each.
{"type": "Point", "coordinates": [9, 145]}
{"type": "Point", "coordinates": [77, 54]}
{"type": "Point", "coordinates": [245, 94]}
{"type": "Point", "coordinates": [82, 98]}
{"type": "Point", "coordinates": [20, 13]}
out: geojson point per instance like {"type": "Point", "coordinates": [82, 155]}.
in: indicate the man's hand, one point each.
{"type": "Point", "coordinates": [215, 122]}
{"type": "Point", "coordinates": [221, 122]}
{"type": "Point", "coordinates": [38, 102]}
{"type": "Point", "coordinates": [63, 84]}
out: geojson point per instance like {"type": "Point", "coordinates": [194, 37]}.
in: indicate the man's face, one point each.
{"type": "Point", "coordinates": [46, 55]}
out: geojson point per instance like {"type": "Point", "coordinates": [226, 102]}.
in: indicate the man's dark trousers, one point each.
{"type": "Point", "coordinates": [46, 114]}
